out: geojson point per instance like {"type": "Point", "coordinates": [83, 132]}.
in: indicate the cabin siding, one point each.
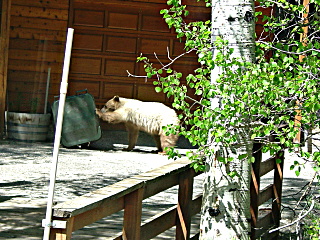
{"type": "Point", "coordinates": [37, 42]}
{"type": "Point", "coordinates": [108, 37]}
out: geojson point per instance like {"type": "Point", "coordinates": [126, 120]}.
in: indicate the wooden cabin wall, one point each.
{"type": "Point", "coordinates": [5, 6]}
{"type": "Point", "coordinates": [37, 42]}
{"type": "Point", "coordinates": [110, 35]}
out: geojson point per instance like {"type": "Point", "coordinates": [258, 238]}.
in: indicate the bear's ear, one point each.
{"type": "Point", "coordinates": [116, 98]}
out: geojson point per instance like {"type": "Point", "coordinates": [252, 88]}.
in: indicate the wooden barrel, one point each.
{"type": "Point", "coordinates": [28, 126]}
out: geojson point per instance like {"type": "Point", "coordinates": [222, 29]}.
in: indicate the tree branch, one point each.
{"type": "Point", "coordinates": [165, 67]}
{"type": "Point", "coordinates": [288, 52]}
{"type": "Point", "coordinates": [306, 190]}
{"type": "Point", "coordinates": [137, 76]}
{"type": "Point", "coordinates": [298, 219]}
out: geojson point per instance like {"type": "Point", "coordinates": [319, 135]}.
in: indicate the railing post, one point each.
{"type": "Point", "coordinates": [277, 189]}
{"type": "Point", "coordinates": [62, 234]}
{"type": "Point", "coordinates": [255, 187]}
{"type": "Point", "coordinates": [132, 215]}
{"type": "Point", "coordinates": [183, 223]}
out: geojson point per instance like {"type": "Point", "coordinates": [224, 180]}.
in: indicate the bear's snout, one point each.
{"type": "Point", "coordinates": [103, 110]}
{"type": "Point", "coordinates": [106, 109]}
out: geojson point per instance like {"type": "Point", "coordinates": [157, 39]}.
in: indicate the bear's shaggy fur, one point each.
{"type": "Point", "coordinates": [145, 116]}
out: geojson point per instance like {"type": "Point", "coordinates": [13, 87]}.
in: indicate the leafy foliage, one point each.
{"type": "Point", "coordinates": [273, 98]}
{"type": "Point", "coordinates": [265, 96]}
{"type": "Point", "coordinates": [313, 229]}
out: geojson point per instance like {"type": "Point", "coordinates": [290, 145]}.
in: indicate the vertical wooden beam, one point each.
{"type": "Point", "coordinates": [132, 215]}
{"type": "Point", "coordinates": [303, 37]}
{"type": "Point", "coordinates": [304, 34]}
{"type": "Point", "coordinates": [183, 222]}
{"type": "Point", "coordinates": [62, 234]}
{"type": "Point", "coordinates": [303, 40]}
{"type": "Point", "coordinates": [255, 187]}
{"type": "Point", "coordinates": [277, 189]}
{"type": "Point", "coordinates": [4, 49]}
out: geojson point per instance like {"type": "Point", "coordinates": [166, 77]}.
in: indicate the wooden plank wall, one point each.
{"type": "Point", "coordinates": [4, 44]}
{"type": "Point", "coordinates": [37, 42]}
{"type": "Point", "coordinates": [261, 34]}
{"type": "Point", "coordinates": [110, 35]}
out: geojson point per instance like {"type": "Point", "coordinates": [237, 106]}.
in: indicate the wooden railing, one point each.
{"type": "Point", "coordinates": [262, 219]}
{"type": "Point", "coordinates": [128, 195]}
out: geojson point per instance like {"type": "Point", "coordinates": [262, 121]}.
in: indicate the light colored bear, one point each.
{"type": "Point", "coordinates": [137, 116]}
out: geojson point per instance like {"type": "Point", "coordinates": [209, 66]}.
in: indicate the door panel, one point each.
{"type": "Point", "coordinates": [110, 35]}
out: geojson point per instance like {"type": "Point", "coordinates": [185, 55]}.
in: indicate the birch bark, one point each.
{"type": "Point", "coordinates": [226, 200]}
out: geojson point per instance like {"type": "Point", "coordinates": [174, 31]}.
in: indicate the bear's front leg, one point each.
{"type": "Point", "coordinates": [133, 132]}
{"type": "Point", "coordinates": [158, 142]}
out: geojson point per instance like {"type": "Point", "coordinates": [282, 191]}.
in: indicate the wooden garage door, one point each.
{"type": "Point", "coordinates": [108, 37]}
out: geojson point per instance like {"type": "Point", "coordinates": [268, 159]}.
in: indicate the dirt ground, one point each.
{"type": "Point", "coordinates": [25, 170]}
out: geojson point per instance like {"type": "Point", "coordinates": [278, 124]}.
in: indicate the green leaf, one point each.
{"type": "Point", "coordinates": [198, 92]}
{"type": "Point", "coordinates": [222, 159]}
{"type": "Point", "coordinates": [242, 156]}
{"type": "Point", "coordinates": [158, 89]}
{"type": "Point", "coordinates": [232, 174]}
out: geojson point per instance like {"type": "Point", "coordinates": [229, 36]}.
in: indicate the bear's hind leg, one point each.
{"type": "Point", "coordinates": [133, 133]}
{"type": "Point", "coordinates": [168, 141]}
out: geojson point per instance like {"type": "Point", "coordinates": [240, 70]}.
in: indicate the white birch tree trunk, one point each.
{"type": "Point", "coordinates": [225, 210]}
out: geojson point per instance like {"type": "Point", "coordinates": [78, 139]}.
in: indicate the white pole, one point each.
{"type": "Point", "coordinates": [63, 92]}
{"type": "Point", "coordinates": [47, 92]}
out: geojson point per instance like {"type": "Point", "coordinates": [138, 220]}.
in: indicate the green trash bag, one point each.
{"type": "Point", "coordinates": [80, 123]}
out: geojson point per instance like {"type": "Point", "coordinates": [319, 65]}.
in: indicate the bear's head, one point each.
{"type": "Point", "coordinates": [112, 105]}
